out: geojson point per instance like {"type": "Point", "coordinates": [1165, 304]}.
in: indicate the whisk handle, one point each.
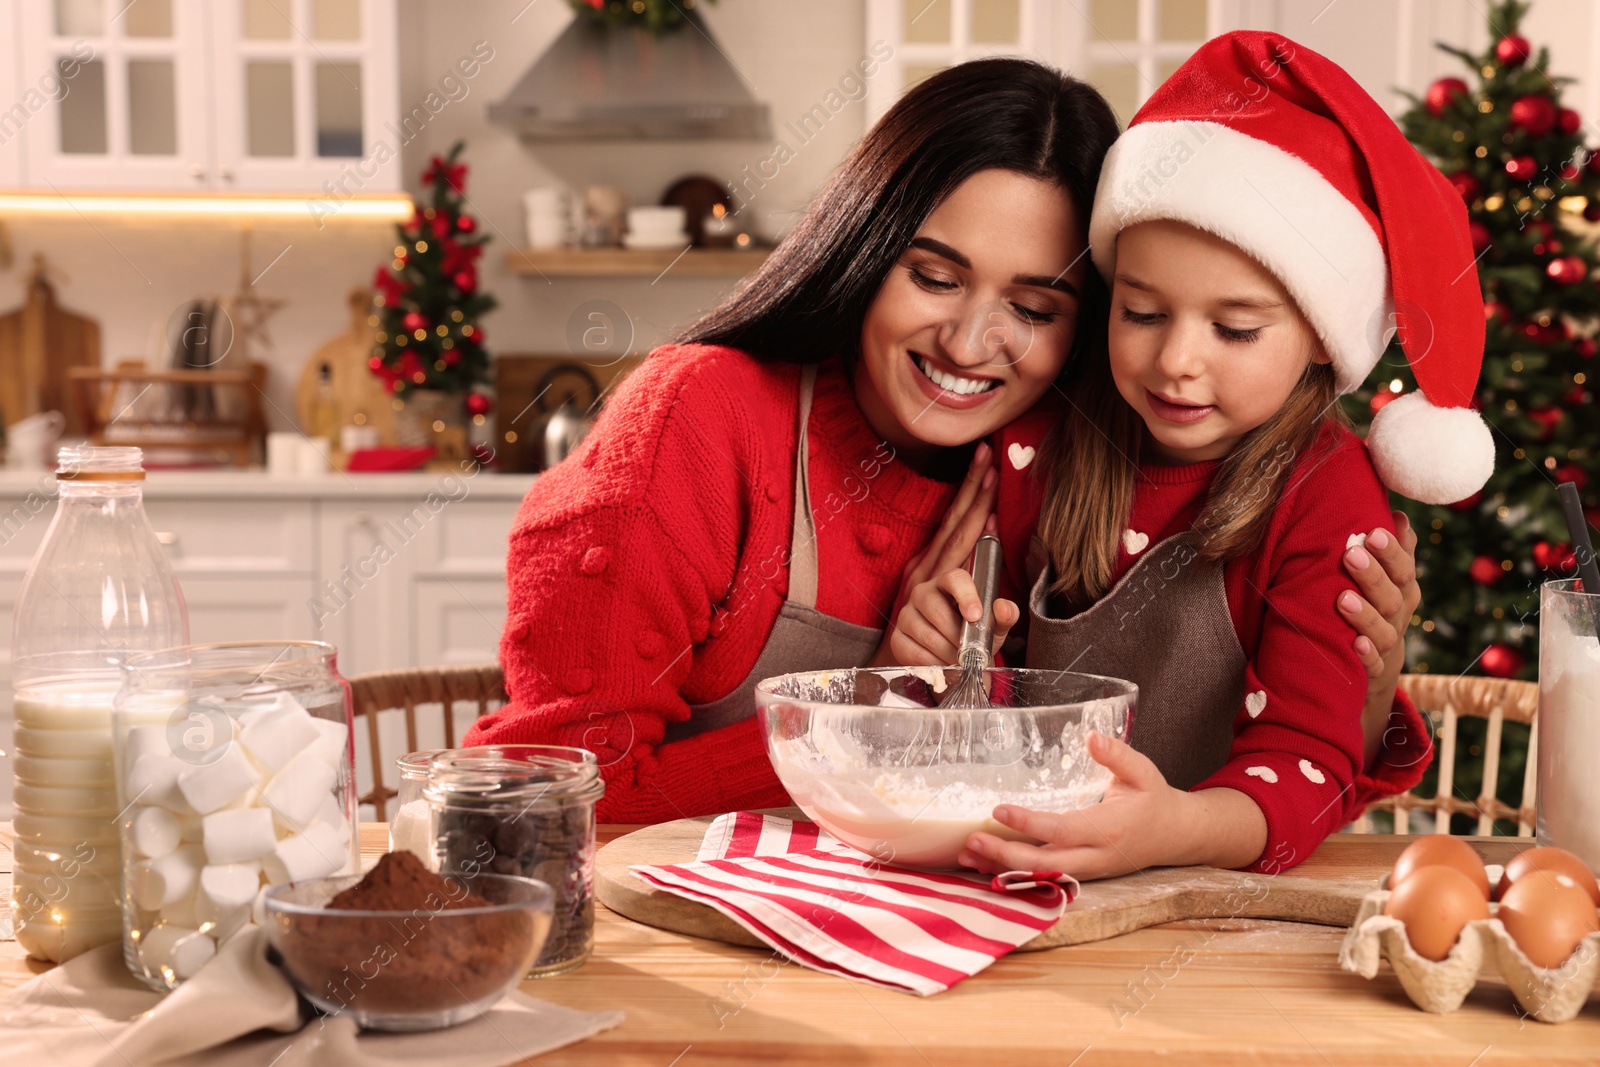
{"type": "Point", "coordinates": [977, 638]}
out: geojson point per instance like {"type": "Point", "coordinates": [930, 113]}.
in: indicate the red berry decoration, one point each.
{"type": "Point", "coordinates": [1570, 172]}
{"type": "Point", "coordinates": [1568, 270]}
{"type": "Point", "coordinates": [1495, 311]}
{"type": "Point", "coordinates": [1585, 347]}
{"type": "Point", "coordinates": [1485, 571]}
{"type": "Point", "coordinates": [1533, 113]}
{"type": "Point", "coordinates": [1522, 168]}
{"type": "Point", "coordinates": [1442, 92]}
{"type": "Point", "coordinates": [1569, 473]}
{"type": "Point", "coordinates": [1380, 399]}
{"type": "Point", "coordinates": [414, 322]}
{"type": "Point", "coordinates": [1501, 661]}
{"type": "Point", "coordinates": [1546, 555]}
{"type": "Point", "coordinates": [465, 280]}
{"type": "Point", "coordinates": [1466, 185]}
{"type": "Point", "coordinates": [1539, 229]}
{"type": "Point", "coordinates": [1480, 236]}
{"type": "Point", "coordinates": [1568, 121]}
{"type": "Point", "coordinates": [466, 224]}
{"type": "Point", "coordinates": [1513, 50]}
{"type": "Point", "coordinates": [375, 364]}
{"type": "Point", "coordinates": [1552, 334]}
{"type": "Point", "coordinates": [478, 404]}
{"type": "Point", "coordinates": [1547, 418]}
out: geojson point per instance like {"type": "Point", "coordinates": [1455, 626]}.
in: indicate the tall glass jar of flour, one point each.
{"type": "Point", "coordinates": [99, 589]}
{"type": "Point", "coordinates": [1569, 720]}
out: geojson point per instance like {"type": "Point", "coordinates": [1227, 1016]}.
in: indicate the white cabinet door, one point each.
{"type": "Point", "coordinates": [303, 90]}
{"type": "Point", "coordinates": [362, 600]}
{"type": "Point", "coordinates": [14, 109]}
{"type": "Point", "coordinates": [124, 103]}
{"type": "Point", "coordinates": [458, 620]}
{"type": "Point", "coordinates": [248, 609]}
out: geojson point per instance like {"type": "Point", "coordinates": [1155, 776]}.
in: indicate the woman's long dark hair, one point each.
{"type": "Point", "coordinates": [808, 301]}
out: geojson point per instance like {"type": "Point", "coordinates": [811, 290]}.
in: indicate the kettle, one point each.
{"type": "Point", "coordinates": [564, 429]}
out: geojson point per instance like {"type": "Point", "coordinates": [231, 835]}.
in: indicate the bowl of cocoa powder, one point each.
{"type": "Point", "coordinates": [403, 948]}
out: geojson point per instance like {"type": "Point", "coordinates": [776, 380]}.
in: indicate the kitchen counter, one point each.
{"type": "Point", "coordinates": [1217, 991]}
{"type": "Point", "coordinates": [256, 484]}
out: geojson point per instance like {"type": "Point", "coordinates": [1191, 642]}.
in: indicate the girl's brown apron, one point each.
{"type": "Point", "coordinates": [1164, 626]}
{"type": "Point", "coordinates": [803, 638]}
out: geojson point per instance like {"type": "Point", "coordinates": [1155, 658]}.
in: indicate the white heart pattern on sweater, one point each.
{"type": "Point", "coordinates": [1020, 455]}
{"type": "Point", "coordinates": [1266, 774]}
{"type": "Point", "coordinates": [1134, 541]}
{"type": "Point", "coordinates": [1311, 772]}
{"type": "Point", "coordinates": [1354, 540]}
{"type": "Point", "coordinates": [1255, 703]}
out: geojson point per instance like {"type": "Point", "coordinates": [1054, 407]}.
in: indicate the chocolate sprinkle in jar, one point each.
{"type": "Point", "coordinates": [526, 810]}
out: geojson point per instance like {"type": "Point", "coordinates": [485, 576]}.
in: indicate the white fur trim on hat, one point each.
{"type": "Point", "coordinates": [1430, 454]}
{"type": "Point", "coordinates": [1271, 204]}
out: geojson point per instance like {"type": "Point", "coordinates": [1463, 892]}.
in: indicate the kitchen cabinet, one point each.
{"type": "Point", "coordinates": [14, 113]}
{"type": "Point", "coordinates": [185, 95]}
{"type": "Point", "coordinates": [394, 570]}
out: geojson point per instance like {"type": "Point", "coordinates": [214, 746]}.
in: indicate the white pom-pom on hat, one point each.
{"type": "Point", "coordinates": [1431, 454]}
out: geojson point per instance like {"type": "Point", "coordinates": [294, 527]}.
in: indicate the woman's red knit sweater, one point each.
{"type": "Point", "coordinates": [646, 571]}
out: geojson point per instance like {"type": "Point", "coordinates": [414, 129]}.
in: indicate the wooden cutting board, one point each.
{"type": "Point", "coordinates": [39, 342]}
{"type": "Point", "coordinates": [1103, 908]}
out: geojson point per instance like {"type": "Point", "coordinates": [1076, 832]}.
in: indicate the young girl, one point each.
{"type": "Point", "coordinates": [1192, 543]}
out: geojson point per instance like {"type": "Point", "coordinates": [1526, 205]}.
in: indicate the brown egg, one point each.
{"type": "Point", "coordinates": [1440, 850]}
{"type": "Point", "coordinates": [1435, 904]}
{"type": "Point", "coordinates": [1550, 859]}
{"type": "Point", "coordinates": [1547, 913]}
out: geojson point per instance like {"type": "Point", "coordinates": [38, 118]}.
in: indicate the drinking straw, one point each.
{"type": "Point", "coordinates": [1578, 527]}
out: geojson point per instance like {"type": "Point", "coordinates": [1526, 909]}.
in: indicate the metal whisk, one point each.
{"type": "Point", "coordinates": [976, 653]}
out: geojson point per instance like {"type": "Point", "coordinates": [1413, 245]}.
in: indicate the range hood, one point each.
{"type": "Point", "coordinates": [601, 83]}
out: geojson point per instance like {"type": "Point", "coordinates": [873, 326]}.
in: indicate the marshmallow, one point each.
{"type": "Point", "coordinates": [145, 741]}
{"type": "Point", "coordinates": [412, 831]}
{"type": "Point", "coordinates": [330, 747]}
{"type": "Point", "coordinates": [175, 952]}
{"type": "Point", "coordinates": [239, 835]}
{"type": "Point", "coordinates": [296, 793]}
{"type": "Point", "coordinates": [167, 879]}
{"type": "Point", "coordinates": [153, 779]}
{"type": "Point", "coordinates": [277, 733]}
{"type": "Point", "coordinates": [226, 893]}
{"type": "Point", "coordinates": [155, 832]}
{"type": "Point", "coordinates": [226, 778]}
{"type": "Point", "coordinates": [317, 853]}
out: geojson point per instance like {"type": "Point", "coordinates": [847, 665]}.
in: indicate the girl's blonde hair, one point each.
{"type": "Point", "coordinates": [1093, 459]}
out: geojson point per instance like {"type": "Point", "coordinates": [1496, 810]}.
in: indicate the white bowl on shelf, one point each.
{"type": "Point", "coordinates": [654, 242]}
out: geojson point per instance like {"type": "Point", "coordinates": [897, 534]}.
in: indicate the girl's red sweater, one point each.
{"type": "Point", "coordinates": [646, 570]}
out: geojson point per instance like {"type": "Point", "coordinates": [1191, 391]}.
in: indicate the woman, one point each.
{"type": "Point", "coordinates": [758, 498]}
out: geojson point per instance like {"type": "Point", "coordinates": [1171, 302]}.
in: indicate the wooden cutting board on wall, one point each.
{"type": "Point", "coordinates": [356, 389]}
{"type": "Point", "coordinates": [1326, 890]}
{"type": "Point", "coordinates": [39, 343]}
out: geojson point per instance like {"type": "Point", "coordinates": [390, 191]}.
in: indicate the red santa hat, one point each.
{"type": "Point", "coordinates": [1278, 151]}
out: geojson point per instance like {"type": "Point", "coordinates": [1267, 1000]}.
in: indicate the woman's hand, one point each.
{"type": "Point", "coordinates": [1380, 611]}
{"type": "Point", "coordinates": [1142, 822]}
{"type": "Point", "coordinates": [951, 545]}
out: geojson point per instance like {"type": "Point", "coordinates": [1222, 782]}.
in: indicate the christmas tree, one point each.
{"type": "Point", "coordinates": [428, 302]}
{"type": "Point", "coordinates": [1517, 157]}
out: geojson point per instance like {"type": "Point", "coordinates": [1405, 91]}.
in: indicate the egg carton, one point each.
{"type": "Point", "coordinates": [1549, 994]}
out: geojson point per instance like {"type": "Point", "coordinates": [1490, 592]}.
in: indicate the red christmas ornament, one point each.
{"type": "Point", "coordinates": [1552, 334]}
{"type": "Point", "coordinates": [375, 364]}
{"type": "Point", "coordinates": [1570, 172]}
{"type": "Point", "coordinates": [1522, 168]}
{"type": "Point", "coordinates": [1547, 418]}
{"type": "Point", "coordinates": [1513, 50]}
{"type": "Point", "coordinates": [1574, 474]}
{"type": "Point", "coordinates": [1381, 398]}
{"type": "Point", "coordinates": [1592, 164]}
{"type": "Point", "coordinates": [1592, 212]}
{"type": "Point", "coordinates": [452, 357]}
{"type": "Point", "coordinates": [465, 280]}
{"type": "Point", "coordinates": [1480, 236]}
{"type": "Point", "coordinates": [474, 332]}
{"type": "Point", "coordinates": [1575, 395]}
{"type": "Point", "coordinates": [1466, 185]}
{"type": "Point", "coordinates": [1547, 556]}
{"type": "Point", "coordinates": [414, 322]}
{"type": "Point", "coordinates": [478, 404]}
{"type": "Point", "coordinates": [1539, 230]}
{"type": "Point", "coordinates": [1494, 310]}
{"type": "Point", "coordinates": [1485, 571]}
{"type": "Point", "coordinates": [1534, 113]}
{"type": "Point", "coordinates": [1568, 121]}
{"type": "Point", "coordinates": [1501, 661]}
{"type": "Point", "coordinates": [1469, 503]}
{"type": "Point", "coordinates": [1585, 347]}
{"type": "Point", "coordinates": [1442, 92]}
{"type": "Point", "coordinates": [466, 224]}
{"type": "Point", "coordinates": [1568, 270]}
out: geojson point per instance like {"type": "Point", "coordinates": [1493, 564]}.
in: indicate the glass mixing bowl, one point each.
{"type": "Point", "coordinates": [870, 756]}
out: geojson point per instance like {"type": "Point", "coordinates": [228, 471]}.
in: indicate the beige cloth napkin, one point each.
{"type": "Point", "coordinates": [240, 1011]}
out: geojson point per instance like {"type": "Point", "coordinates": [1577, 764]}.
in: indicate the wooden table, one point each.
{"type": "Point", "coordinates": [1221, 991]}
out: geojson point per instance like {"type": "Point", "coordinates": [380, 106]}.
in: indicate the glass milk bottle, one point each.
{"type": "Point", "coordinates": [1569, 720]}
{"type": "Point", "coordinates": [98, 589]}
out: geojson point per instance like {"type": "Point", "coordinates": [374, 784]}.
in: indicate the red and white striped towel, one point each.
{"type": "Point", "coordinates": [826, 905]}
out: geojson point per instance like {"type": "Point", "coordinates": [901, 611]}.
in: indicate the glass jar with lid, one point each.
{"type": "Point", "coordinates": [411, 824]}
{"type": "Point", "coordinates": [527, 810]}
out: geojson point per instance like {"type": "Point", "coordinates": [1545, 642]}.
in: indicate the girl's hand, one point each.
{"type": "Point", "coordinates": [1141, 822]}
{"type": "Point", "coordinates": [927, 632]}
{"type": "Point", "coordinates": [1381, 613]}
{"type": "Point", "coordinates": [951, 545]}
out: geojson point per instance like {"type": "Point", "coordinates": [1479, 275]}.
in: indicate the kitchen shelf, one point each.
{"type": "Point", "coordinates": [635, 263]}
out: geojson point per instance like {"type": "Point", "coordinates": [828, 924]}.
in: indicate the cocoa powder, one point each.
{"type": "Point", "coordinates": [422, 956]}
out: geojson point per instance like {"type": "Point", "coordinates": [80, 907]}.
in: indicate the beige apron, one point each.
{"type": "Point", "coordinates": [1164, 626]}
{"type": "Point", "coordinates": [803, 638]}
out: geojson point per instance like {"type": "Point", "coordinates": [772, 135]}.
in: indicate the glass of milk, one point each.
{"type": "Point", "coordinates": [1569, 721]}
